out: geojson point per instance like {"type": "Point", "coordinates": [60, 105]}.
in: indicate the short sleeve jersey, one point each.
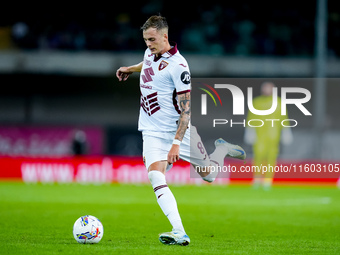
{"type": "Point", "coordinates": [162, 79]}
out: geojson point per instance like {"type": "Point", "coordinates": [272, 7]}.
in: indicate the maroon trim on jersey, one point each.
{"type": "Point", "coordinates": [174, 102]}
{"type": "Point", "coordinates": [167, 54]}
{"type": "Point", "coordinates": [151, 95]}
{"type": "Point", "coordinates": [150, 104]}
{"type": "Point", "coordinates": [155, 59]}
{"type": "Point", "coordinates": [153, 100]}
{"type": "Point", "coordinates": [155, 110]}
{"type": "Point", "coordinates": [184, 91]}
{"type": "Point", "coordinates": [173, 50]}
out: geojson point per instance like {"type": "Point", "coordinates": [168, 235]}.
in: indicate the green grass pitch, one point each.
{"type": "Point", "coordinates": [38, 219]}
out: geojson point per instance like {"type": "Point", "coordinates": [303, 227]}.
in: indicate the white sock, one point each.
{"type": "Point", "coordinates": [213, 172]}
{"type": "Point", "coordinates": [217, 162]}
{"type": "Point", "coordinates": [165, 199]}
{"type": "Point", "coordinates": [218, 156]}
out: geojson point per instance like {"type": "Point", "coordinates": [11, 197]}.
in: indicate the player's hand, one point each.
{"type": "Point", "coordinates": [173, 154]}
{"type": "Point", "coordinates": [123, 73]}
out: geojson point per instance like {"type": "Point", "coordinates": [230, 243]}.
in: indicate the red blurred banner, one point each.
{"type": "Point", "coordinates": [132, 170]}
{"type": "Point", "coordinates": [86, 170]}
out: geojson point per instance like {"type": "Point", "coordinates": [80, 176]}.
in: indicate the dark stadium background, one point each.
{"type": "Point", "coordinates": [57, 66]}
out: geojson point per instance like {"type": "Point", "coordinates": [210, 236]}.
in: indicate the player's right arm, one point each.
{"type": "Point", "coordinates": [124, 72]}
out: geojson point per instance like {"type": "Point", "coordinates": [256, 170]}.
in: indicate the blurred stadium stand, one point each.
{"type": "Point", "coordinates": [58, 67]}
{"type": "Point", "coordinates": [235, 28]}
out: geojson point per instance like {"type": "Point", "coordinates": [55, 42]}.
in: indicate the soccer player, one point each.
{"type": "Point", "coordinates": [266, 139]}
{"type": "Point", "coordinates": [164, 121]}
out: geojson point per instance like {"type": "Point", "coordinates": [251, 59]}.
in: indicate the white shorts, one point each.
{"type": "Point", "coordinates": [156, 146]}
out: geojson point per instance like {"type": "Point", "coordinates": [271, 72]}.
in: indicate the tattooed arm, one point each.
{"type": "Point", "coordinates": [183, 123]}
{"type": "Point", "coordinates": [184, 118]}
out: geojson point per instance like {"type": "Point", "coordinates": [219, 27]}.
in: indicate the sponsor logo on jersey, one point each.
{"type": "Point", "coordinates": [147, 62]}
{"type": "Point", "coordinates": [145, 86]}
{"type": "Point", "coordinates": [148, 72]}
{"type": "Point", "coordinates": [185, 77]}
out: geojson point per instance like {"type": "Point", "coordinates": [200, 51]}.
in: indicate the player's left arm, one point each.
{"type": "Point", "coordinates": [183, 123]}
{"type": "Point", "coordinates": [184, 118]}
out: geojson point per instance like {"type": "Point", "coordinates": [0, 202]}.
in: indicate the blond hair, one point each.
{"type": "Point", "coordinates": [156, 21]}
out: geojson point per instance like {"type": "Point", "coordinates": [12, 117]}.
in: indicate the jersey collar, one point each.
{"type": "Point", "coordinates": [169, 53]}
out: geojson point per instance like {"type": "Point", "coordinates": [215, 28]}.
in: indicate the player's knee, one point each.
{"type": "Point", "coordinates": [155, 176]}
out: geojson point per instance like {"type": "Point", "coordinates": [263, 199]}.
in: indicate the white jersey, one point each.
{"type": "Point", "coordinates": [161, 79]}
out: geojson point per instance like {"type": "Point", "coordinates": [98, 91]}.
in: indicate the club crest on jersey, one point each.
{"type": "Point", "coordinates": [162, 65]}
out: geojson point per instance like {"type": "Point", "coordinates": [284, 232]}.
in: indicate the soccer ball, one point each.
{"type": "Point", "coordinates": [88, 229]}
